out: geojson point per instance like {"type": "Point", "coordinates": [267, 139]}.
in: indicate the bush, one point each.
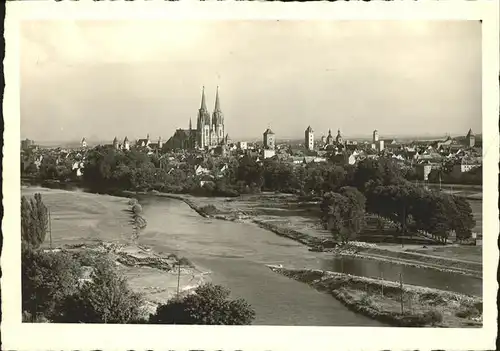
{"type": "Point", "coordinates": [132, 202]}
{"type": "Point", "coordinates": [47, 278]}
{"type": "Point", "coordinates": [137, 209]}
{"type": "Point", "coordinates": [209, 305]}
{"type": "Point", "coordinates": [105, 299]}
{"type": "Point", "coordinates": [209, 210]}
{"type": "Point", "coordinates": [183, 261]}
{"type": "Point", "coordinates": [432, 317]}
{"type": "Point", "coordinates": [468, 312]}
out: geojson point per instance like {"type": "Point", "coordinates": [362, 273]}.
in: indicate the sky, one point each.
{"type": "Point", "coordinates": [129, 78]}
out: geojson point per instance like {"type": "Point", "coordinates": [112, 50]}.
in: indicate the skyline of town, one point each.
{"type": "Point", "coordinates": [80, 80]}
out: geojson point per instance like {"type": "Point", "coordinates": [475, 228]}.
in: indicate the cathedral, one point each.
{"type": "Point", "coordinates": [209, 132]}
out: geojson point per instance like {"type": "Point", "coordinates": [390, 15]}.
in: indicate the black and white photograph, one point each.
{"type": "Point", "coordinates": [245, 172]}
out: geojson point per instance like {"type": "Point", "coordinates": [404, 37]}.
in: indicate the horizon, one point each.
{"type": "Point", "coordinates": [405, 138]}
{"type": "Point", "coordinates": [81, 79]}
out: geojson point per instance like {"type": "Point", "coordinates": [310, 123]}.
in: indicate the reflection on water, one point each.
{"type": "Point", "coordinates": [410, 275]}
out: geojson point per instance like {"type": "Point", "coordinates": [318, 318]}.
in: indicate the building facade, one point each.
{"type": "Point", "coordinates": [470, 139]}
{"type": "Point", "coordinates": [309, 138]}
{"type": "Point", "coordinates": [269, 139]}
{"type": "Point", "coordinates": [210, 131]}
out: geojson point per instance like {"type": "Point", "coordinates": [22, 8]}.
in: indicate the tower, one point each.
{"type": "Point", "coordinates": [203, 123]}
{"type": "Point", "coordinates": [160, 143]}
{"type": "Point", "coordinates": [339, 139]}
{"type": "Point", "coordinates": [218, 121]}
{"type": "Point", "coordinates": [309, 138]}
{"type": "Point", "coordinates": [84, 143]}
{"type": "Point", "coordinates": [126, 144]}
{"type": "Point", "coordinates": [470, 139]}
{"type": "Point", "coordinates": [269, 139]}
{"type": "Point", "coordinates": [115, 143]}
{"type": "Point", "coordinates": [375, 136]}
{"type": "Point", "coordinates": [190, 124]}
{"type": "Point", "coordinates": [329, 138]}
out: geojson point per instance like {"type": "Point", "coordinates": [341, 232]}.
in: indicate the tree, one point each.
{"type": "Point", "coordinates": [463, 221]}
{"type": "Point", "coordinates": [34, 221]}
{"type": "Point", "coordinates": [209, 305]}
{"type": "Point", "coordinates": [343, 214]}
{"type": "Point", "coordinates": [106, 298]}
{"type": "Point", "coordinates": [372, 173]}
{"type": "Point", "coordinates": [250, 172]}
{"type": "Point", "coordinates": [47, 278]}
{"type": "Point", "coordinates": [394, 202]}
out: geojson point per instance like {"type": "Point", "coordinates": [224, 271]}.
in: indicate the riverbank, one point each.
{"type": "Point", "coordinates": [293, 224]}
{"type": "Point", "coordinates": [385, 301]}
{"type": "Point", "coordinates": [157, 278]}
{"type": "Point", "coordinates": [93, 223]}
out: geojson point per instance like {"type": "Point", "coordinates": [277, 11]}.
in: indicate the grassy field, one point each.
{"type": "Point", "coordinates": [466, 253]}
{"type": "Point", "coordinates": [78, 217]}
{"type": "Point", "coordinates": [387, 302]}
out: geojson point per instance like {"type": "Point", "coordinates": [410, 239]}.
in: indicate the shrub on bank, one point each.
{"type": "Point", "coordinates": [105, 298]}
{"type": "Point", "coordinates": [210, 210]}
{"type": "Point", "coordinates": [209, 305]}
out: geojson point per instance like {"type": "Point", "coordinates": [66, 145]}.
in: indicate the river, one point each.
{"type": "Point", "coordinates": [236, 255]}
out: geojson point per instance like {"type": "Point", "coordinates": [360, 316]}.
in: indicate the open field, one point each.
{"type": "Point", "coordinates": [465, 253]}
{"type": "Point", "coordinates": [386, 301]}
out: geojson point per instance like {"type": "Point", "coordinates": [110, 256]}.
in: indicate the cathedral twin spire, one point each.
{"type": "Point", "coordinates": [210, 128]}
{"type": "Point", "coordinates": [204, 115]}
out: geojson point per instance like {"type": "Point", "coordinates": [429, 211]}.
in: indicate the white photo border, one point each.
{"type": "Point", "coordinates": [19, 336]}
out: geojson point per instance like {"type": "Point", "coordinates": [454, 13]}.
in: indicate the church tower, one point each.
{"type": "Point", "coordinates": [339, 139]}
{"type": "Point", "coordinates": [218, 121]}
{"type": "Point", "coordinates": [203, 123]}
{"type": "Point", "coordinates": [470, 139]}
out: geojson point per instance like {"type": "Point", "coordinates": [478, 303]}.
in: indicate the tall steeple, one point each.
{"type": "Point", "coordinates": [217, 103]}
{"type": "Point", "coordinates": [190, 124]}
{"type": "Point", "coordinates": [203, 104]}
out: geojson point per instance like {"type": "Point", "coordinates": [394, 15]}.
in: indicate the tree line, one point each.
{"type": "Point", "coordinates": [384, 188]}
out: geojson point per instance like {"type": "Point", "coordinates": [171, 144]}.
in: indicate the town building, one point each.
{"type": "Point", "coordinates": [375, 136]}
{"type": "Point", "coordinates": [424, 169]}
{"type": "Point", "coordinates": [209, 132]}
{"type": "Point", "coordinates": [329, 138]}
{"type": "Point", "coordinates": [309, 138]}
{"type": "Point", "coordinates": [470, 139]}
{"type": "Point", "coordinates": [126, 144]}
{"type": "Point", "coordinates": [143, 142]}
{"type": "Point", "coordinates": [26, 144]}
{"type": "Point", "coordinates": [269, 139]}
{"type": "Point", "coordinates": [338, 139]}
{"type": "Point", "coordinates": [269, 143]}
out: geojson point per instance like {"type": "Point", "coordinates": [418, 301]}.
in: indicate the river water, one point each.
{"type": "Point", "coordinates": [236, 254]}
